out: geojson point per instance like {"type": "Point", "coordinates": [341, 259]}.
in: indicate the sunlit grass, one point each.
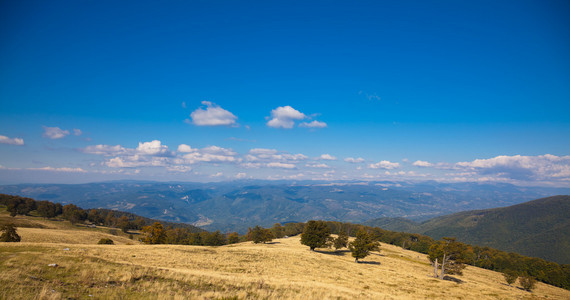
{"type": "Point", "coordinates": [284, 269]}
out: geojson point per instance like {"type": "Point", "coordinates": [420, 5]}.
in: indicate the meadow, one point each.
{"type": "Point", "coordinates": [282, 269]}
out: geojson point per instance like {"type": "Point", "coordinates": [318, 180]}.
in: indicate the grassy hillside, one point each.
{"type": "Point", "coordinates": [283, 269]}
{"type": "Point", "coordinates": [40, 230]}
{"type": "Point", "coordinates": [539, 228]}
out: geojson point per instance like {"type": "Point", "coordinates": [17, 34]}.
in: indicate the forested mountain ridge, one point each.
{"type": "Point", "coordinates": [538, 228]}
{"type": "Point", "coordinates": [241, 204]}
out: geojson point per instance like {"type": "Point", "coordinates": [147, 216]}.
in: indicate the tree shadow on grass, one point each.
{"type": "Point", "coordinates": [337, 253]}
{"type": "Point", "coordinates": [368, 262]}
{"type": "Point", "coordinates": [450, 278]}
{"type": "Point", "coordinates": [272, 243]}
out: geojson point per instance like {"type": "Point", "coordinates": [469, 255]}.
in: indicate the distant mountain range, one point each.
{"type": "Point", "coordinates": [539, 228]}
{"type": "Point", "coordinates": [234, 206]}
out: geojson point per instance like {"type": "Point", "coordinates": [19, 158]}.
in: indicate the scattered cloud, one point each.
{"type": "Point", "coordinates": [105, 150]}
{"type": "Point", "coordinates": [327, 157]}
{"type": "Point", "coordinates": [421, 163]}
{"type": "Point", "coordinates": [153, 148]}
{"type": "Point", "coordinates": [284, 117]}
{"type": "Point", "coordinates": [281, 165]}
{"type": "Point", "coordinates": [370, 97]}
{"type": "Point", "coordinates": [213, 115]}
{"type": "Point", "coordinates": [518, 167]}
{"type": "Point", "coordinates": [11, 141]}
{"type": "Point", "coordinates": [241, 175]}
{"type": "Point", "coordinates": [321, 166]}
{"type": "Point", "coordinates": [135, 161]}
{"type": "Point", "coordinates": [179, 168]}
{"type": "Point", "coordinates": [313, 124]}
{"type": "Point", "coordinates": [262, 154]}
{"type": "Point", "coordinates": [186, 149]}
{"type": "Point", "coordinates": [51, 169]}
{"type": "Point", "coordinates": [353, 160]}
{"type": "Point", "coordinates": [213, 154]}
{"type": "Point", "coordinates": [384, 165]}
{"type": "Point", "coordinates": [54, 133]}
{"type": "Point", "coordinates": [77, 132]}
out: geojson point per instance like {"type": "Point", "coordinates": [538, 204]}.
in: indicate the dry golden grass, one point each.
{"type": "Point", "coordinates": [40, 230]}
{"type": "Point", "coordinates": [284, 269]}
{"type": "Point", "coordinates": [281, 270]}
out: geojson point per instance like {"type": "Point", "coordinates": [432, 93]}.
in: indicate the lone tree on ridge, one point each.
{"type": "Point", "coordinates": [362, 245]}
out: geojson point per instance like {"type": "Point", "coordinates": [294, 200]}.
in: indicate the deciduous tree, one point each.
{"type": "Point", "coordinates": [510, 276]}
{"type": "Point", "coordinates": [259, 235]}
{"type": "Point", "coordinates": [362, 245]}
{"type": "Point", "coordinates": [527, 282]}
{"type": "Point", "coordinates": [316, 234]}
{"type": "Point", "coordinates": [341, 241]}
{"type": "Point", "coordinates": [448, 255]}
{"type": "Point", "coordinates": [154, 234]}
{"type": "Point", "coordinates": [233, 238]}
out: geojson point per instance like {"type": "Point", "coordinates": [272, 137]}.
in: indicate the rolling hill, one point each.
{"type": "Point", "coordinates": [283, 269]}
{"type": "Point", "coordinates": [539, 228]}
{"type": "Point", "coordinates": [235, 206]}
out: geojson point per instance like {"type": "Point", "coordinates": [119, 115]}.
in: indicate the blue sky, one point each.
{"type": "Point", "coordinates": [410, 90]}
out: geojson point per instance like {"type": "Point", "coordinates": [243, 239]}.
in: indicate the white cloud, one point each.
{"type": "Point", "coordinates": [284, 117]}
{"type": "Point", "coordinates": [54, 133]}
{"type": "Point", "coordinates": [327, 157]}
{"type": "Point", "coordinates": [51, 169]}
{"type": "Point", "coordinates": [211, 154]}
{"type": "Point", "coordinates": [135, 161]}
{"type": "Point", "coordinates": [179, 168]}
{"type": "Point", "coordinates": [313, 124]}
{"type": "Point", "coordinates": [77, 132]}
{"type": "Point", "coordinates": [281, 165]}
{"type": "Point", "coordinates": [257, 151]}
{"type": "Point", "coordinates": [186, 149]}
{"type": "Point", "coordinates": [421, 163]}
{"type": "Point", "coordinates": [213, 115]}
{"type": "Point", "coordinates": [322, 166]}
{"type": "Point", "coordinates": [353, 160]}
{"type": "Point", "coordinates": [219, 174]}
{"type": "Point", "coordinates": [153, 148]}
{"type": "Point", "coordinates": [241, 175]}
{"type": "Point", "coordinates": [11, 141]}
{"type": "Point", "coordinates": [105, 150]}
{"type": "Point", "coordinates": [384, 165]}
{"type": "Point", "coordinates": [261, 154]}
{"type": "Point", "coordinates": [518, 167]}
{"type": "Point", "coordinates": [251, 165]}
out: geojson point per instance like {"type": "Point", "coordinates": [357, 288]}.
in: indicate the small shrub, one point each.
{"type": "Point", "coordinates": [9, 234]}
{"type": "Point", "coordinates": [106, 241]}
{"type": "Point", "coordinates": [510, 276]}
{"type": "Point", "coordinates": [113, 231]}
{"type": "Point", "coordinates": [527, 282]}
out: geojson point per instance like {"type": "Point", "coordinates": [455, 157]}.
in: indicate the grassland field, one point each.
{"type": "Point", "coordinates": [283, 269]}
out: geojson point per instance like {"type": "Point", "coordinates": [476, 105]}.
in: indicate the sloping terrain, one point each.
{"type": "Point", "coordinates": [281, 270]}
{"type": "Point", "coordinates": [539, 228]}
